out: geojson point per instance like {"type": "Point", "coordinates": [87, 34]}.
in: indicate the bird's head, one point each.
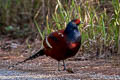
{"type": "Point", "coordinates": [72, 31]}
{"type": "Point", "coordinates": [72, 25]}
{"type": "Point", "coordinates": [76, 21]}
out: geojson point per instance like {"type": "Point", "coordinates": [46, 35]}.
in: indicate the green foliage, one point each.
{"type": "Point", "coordinates": [9, 28]}
{"type": "Point", "coordinates": [39, 30]}
{"type": "Point", "coordinates": [115, 22]}
{"type": "Point", "coordinates": [101, 24]}
{"type": "Point", "coordinates": [100, 29]}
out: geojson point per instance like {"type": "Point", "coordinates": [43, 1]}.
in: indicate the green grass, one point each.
{"type": "Point", "coordinates": [100, 28]}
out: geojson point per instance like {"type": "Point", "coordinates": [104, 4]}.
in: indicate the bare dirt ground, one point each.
{"type": "Point", "coordinates": [45, 68]}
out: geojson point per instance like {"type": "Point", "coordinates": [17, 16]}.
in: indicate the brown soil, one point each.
{"type": "Point", "coordinates": [76, 68]}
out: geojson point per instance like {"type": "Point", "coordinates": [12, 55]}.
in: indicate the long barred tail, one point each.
{"type": "Point", "coordinates": [39, 53]}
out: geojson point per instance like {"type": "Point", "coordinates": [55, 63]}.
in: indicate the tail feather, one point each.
{"type": "Point", "coordinates": [39, 53]}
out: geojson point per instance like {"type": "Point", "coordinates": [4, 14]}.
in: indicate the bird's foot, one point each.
{"type": "Point", "coordinates": [70, 70]}
{"type": "Point", "coordinates": [64, 69]}
{"type": "Point", "coordinates": [10, 67]}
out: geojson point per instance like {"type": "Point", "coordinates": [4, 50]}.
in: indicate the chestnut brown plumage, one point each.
{"type": "Point", "coordinates": [61, 44]}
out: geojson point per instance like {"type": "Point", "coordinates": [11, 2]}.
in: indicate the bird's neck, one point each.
{"type": "Point", "coordinates": [73, 35]}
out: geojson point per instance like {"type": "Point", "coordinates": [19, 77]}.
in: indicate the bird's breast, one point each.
{"type": "Point", "coordinates": [58, 47]}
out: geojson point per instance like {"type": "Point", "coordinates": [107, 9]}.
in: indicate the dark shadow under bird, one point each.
{"type": "Point", "coordinates": [61, 44]}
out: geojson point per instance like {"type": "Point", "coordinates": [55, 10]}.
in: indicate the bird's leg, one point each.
{"type": "Point", "coordinates": [58, 65]}
{"type": "Point", "coordinates": [64, 65]}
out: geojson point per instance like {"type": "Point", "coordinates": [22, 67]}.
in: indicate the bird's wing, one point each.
{"type": "Point", "coordinates": [55, 39]}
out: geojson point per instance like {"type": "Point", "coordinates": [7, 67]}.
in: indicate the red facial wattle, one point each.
{"type": "Point", "coordinates": [77, 21]}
